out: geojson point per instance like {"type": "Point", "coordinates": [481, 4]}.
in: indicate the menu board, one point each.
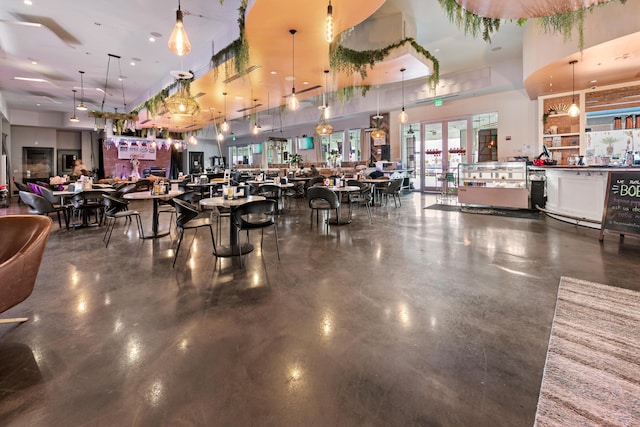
{"type": "Point", "coordinates": [621, 213]}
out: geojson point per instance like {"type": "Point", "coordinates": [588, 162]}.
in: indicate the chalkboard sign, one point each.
{"type": "Point", "coordinates": [621, 213]}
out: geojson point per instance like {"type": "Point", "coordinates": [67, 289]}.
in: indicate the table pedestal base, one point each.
{"type": "Point", "coordinates": [229, 251]}
{"type": "Point", "coordinates": [156, 235]}
{"type": "Point", "coordinates": [336, 221]}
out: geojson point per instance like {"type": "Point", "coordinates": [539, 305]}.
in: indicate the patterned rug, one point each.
{"type": "Point", "coordinates": [511, 213]}
{"type": "Point", "coordinates": [592, 373]}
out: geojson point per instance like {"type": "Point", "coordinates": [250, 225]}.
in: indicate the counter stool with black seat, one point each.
{"type": "Point", "coordinates": [187, 220]}
{"type": "Point", "coordinates": [256, 215]}
{"type": "Point", "coordinates": [118, 208]}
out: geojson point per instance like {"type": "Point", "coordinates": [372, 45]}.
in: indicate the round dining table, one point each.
{"type": "Point", "coordinates": [348, 189]}
{"type": "Point", "coordinates": [233, 249]}
{"type": "Point", "coordinates": [147, 195]}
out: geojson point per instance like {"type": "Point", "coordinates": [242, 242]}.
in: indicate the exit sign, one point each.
{"type": "Point", "coordinates": [437, 102]}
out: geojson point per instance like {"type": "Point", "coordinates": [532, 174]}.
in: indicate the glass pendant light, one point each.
{"type": "Point", "coordinates": [81, 106]}
{"type": "Point", "coordinates": [292, 101]}
{"type": "Point", "coordinates": [179, 42]}
{"type": "Point", "coordinates": [329, 23]}
{"type": "Point", "coordinates": [573, 110]}
{"type": "Point", "coordinates": [74, 118]}
{"type": "Point", "coordinates": [256, 126]}
{"type": "Point", "coordinates": [403, 117]}
{"type": "Point", "coordinates": [378, 132]}
{"type": "Point", "coordinates": [225, 125]}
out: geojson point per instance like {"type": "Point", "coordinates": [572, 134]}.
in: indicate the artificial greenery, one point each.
{"type": "Point", "coordinates": [153, 104]}
{"type": "Point", "coordinates": [237, 52]}
{"type": "Point", "coordinates": [349, 61]}
{"type": "Point", "coordinates": [561, 23]}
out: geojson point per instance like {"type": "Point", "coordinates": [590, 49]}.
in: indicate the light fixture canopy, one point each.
{"type": "Point", "coordinates": [81, 106]}
{"type": "Point", "coordinates": [179, 42]}
{"type": "Point", "coordinates": [403, 117]}
{"type": "Point", "coordinates": [292, 101]}
{"type": "Point", "coordinates": [224, 127]}
{"type": "Point", "coordinates": [74, 118]}
{"type": "Point", "coordinates": [330, 23]}
{"type": "Point", "coordinates": [573, 110]}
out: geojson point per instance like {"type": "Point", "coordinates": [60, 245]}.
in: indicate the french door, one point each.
{"type": "Point", "coordinates": [444, 145]}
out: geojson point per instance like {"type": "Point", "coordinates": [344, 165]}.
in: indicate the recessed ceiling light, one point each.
{"type": "Point", "coordinates": [28, 2]}
{"type": "Point", "coordinates": [34, 62]}
{"type": "Point", "coordinates": [594, 81]}
{"type": "Point", "coordinates": [274, 72]}
{"type": "Point", "coordinates": [305, 83]}
{"type": "Point", "coordinates": [152, 39]}
{"type": "Point", "coordinates": [238, 97]}
{"type": "Point", "coordinates": [133, 63]}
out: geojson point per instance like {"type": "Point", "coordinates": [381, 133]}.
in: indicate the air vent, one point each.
{"type": "Point", "coordinates": [249, 108]}
{"type": "Point", "coordinates": [237, 76]}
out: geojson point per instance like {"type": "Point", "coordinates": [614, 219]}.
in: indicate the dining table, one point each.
{"type": "Point", "coordinates": [233, 248]}
{"type": "Point", "coordinates": [155, 198]}
{"type": "Point", "coordinates": [347, 189]}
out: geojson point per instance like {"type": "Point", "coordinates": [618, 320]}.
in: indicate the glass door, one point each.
{"type": "Point", "coordinates": [445, 145]}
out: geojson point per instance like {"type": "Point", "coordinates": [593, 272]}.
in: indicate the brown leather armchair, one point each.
{"type": "Point", "coordinates": [22, 242]}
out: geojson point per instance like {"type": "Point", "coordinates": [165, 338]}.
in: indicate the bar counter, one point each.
{"type": "Point", "coordinates": [578, 191]}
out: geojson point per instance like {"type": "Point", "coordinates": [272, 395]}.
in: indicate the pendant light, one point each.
{"type": "Point", "coordinates": [573, 110]}
{"type": "Point", "coordinates": [403, 117]}
{"type": "Point", "coordinates": [81, 106]}
{"type": "Point", "coordinates": [256, 126]}
{"type": "Point", "coordinates": [74, 118]}
{"type": "Point", "coordinates": [292, 102]}
{"type": "Point", "coordinates": [179, 42]}
{"type": "Point", "coordinates": [330, 23]}
{"type": "Point", "coordinates": [378, 132]}
{"type": "Point", "coordinates": [324, 128]}
{"type": "Point", "coordinates": [225, 125]}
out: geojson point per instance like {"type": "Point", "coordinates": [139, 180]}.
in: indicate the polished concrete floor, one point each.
{"type": "Point", "coordinates": [423, 318]}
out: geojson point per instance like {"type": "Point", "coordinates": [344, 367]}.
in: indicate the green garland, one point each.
{"type": "Point", "coordinates": [153, 104]}
{"type": "Point", "coordinates": [349, 61]}
{"type": "Point", "coordinates": [237, 50]}
{"type": "Point", "coordinates": [561, 23]}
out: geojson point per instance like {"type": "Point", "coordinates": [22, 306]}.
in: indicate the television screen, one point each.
{"type": "Point", "coordinates": [257, 148]}
{"type": "Point", "coordinates": [305, 143]}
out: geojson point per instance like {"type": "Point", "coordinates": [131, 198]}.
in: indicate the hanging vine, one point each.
{"type": "Point", "coordinates": [560, 23]}
{"type": "Point", "coordinates": [349, 61]}
{"type": "Point", "coordinates": [153, 104]}
{"type": "Point", "coordinates": [236, 54]}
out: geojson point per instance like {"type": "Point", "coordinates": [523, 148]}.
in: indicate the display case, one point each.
{"type": "Point", "coordinates": [500, 184]}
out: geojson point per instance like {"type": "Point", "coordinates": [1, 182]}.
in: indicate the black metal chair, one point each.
{"type": "Point", "coordinates": [393, 190]}
{"type": "Point", "coordinates": [256, 215]}
{"type": "Point", "coordinates": [363, 196]}
{"type": "Point", "coordinates": [118, 208]}
{"type": "Point", "coordinates": [85, 203]}
{"type": "Point", "coordinates": [322, 199]}
{"type": "Point", "coordinates": [271, 192]}
{"type": "Point", "coordinates": [186, 219]}
{"type": "Point", "coordinates": [41, 206]}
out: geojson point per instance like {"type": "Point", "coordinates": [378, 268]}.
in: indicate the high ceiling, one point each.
{"type": "Point", "coordinates": [80, 36]}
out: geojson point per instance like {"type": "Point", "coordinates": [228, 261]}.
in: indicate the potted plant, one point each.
{"type": "Point", "coordinates": [295, 160]}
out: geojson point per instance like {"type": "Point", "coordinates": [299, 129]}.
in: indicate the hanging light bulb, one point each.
{"type": "Point", "coordinates": [256, 126]}
{"type": "Point", "coordinates": [220, 136]}
{"type": "Point", "coordinates": [81, 106]}
{"type": "Point", "coordinates": [378, 132]}
{"type": "Point", "coordinates": [225, 126]}
{"type": "Point", "coordinates": [329, 23]}
{"type": "Point", "coordinates": [403, 117]}
{"type": "Point", "coordinates": [292, 101]}
{"type": "Point", "coordinates": [179, 42]}
{"type": "Point", "coordinates": [74, 118]}
{"type": "Point", "coordinates": [573, 110]}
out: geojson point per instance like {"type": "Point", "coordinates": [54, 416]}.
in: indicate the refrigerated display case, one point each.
{"type": "Point", "coordinates": [499, 184]}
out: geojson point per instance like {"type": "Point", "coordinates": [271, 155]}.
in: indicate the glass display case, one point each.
{"type": "Point", "coordinates": [500, 184]}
